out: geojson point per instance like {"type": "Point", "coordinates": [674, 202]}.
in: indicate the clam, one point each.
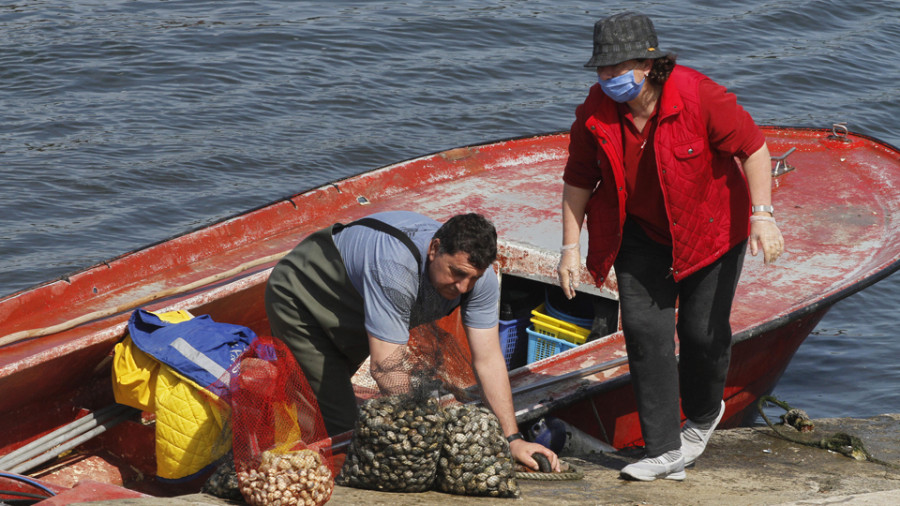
{"type": "Point", "coordinates": [295, 477]}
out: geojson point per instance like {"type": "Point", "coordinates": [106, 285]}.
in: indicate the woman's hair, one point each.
{"type": "Point", "coordinates": [662, 68]}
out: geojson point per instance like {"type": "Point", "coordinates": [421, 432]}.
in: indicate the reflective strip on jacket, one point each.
{"type": "Point", "coordinates": [169, 373]}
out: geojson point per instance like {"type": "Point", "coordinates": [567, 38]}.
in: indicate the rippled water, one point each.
{"type": "Point", "coordinates": [127, 122]}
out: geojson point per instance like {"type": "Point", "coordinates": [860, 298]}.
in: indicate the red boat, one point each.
{"type": "Point", "coordinates": [838, 195]}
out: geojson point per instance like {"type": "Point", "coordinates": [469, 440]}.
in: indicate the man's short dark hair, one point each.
{"type": "Point", "coordinates": [470, 233]}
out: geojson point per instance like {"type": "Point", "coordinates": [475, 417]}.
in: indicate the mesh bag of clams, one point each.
{"type": "Point", "coordinates": [397, 438]}
{"type": "Point", "coordinates": [407, 441]}
{"type": "Point", "coordinates": [395, 446]}
{"type": "Point", "coordinates": [475, 457]}
{"type": "Point", "coordinates": [276, 424]}
{"type": "Point", "coordinates": [287, 477]}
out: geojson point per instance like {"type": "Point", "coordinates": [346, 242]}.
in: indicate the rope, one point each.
{"type": "Point", "coordinates": [30, 481]}
{"type": "Point", "coordinates": [546, 473]}
{"type": "Point", "coordinates": [571, 474]}
{"type": "Point", "coordinates": [845, 444]}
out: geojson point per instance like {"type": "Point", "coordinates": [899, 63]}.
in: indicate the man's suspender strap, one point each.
{"type": "Point", "coordinates": [389, 229]}
{"type": "Point", "coordinates": [394, 231]}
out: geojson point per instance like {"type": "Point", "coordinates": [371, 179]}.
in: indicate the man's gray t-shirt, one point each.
{"type": "Point", "coordinates": [384, 271]}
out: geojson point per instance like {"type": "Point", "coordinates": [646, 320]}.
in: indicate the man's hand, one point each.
{"type": "Point", "coordinates": [522, 450]}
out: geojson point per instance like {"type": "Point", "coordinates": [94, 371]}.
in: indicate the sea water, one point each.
{"type": "Point", "coordinates": [128, 122]}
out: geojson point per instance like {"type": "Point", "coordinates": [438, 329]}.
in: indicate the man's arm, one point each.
{"type": "Point", "coordinates": [490, 369]}
{"type": "Point", "coordinates": [384, 358]}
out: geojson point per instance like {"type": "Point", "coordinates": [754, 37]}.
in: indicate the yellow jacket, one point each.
{"type": "Point", "coordinates": [191, 431]}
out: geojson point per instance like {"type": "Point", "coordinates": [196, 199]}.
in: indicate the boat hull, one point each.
{"type": "Point", "coordinates": [608, 412]}
{"type": "Point", "coordinates": [839, 207]}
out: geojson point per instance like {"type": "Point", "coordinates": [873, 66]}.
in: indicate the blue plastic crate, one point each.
{"type": "Point", "coordinates": [514, 341]}
{"type": "Point", "coordinates": [541, 346]}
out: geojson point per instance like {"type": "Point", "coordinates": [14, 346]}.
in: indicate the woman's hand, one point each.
{"type": "Point", "coordinates": [765, 236]}
{"type": "Point", "coordinates": [574, 203]}
{"type": "Point", "coordinates": [569, 269]}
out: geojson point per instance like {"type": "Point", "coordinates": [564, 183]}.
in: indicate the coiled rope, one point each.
{"type": "Point", "coordinates": [845, 444]}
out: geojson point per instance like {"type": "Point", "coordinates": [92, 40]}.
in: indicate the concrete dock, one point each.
{"type": "Point", "coordinates": [744, 466]}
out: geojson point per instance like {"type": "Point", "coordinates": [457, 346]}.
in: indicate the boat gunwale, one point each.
{"type": "Point", "coordinates": [288, 198]}
{"type": "Point", "coordinates": [830, 298]}
{"type": "Point", "coordinates": [240, 214]}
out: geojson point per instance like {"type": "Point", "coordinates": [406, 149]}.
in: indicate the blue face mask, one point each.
{"type": "Point", "coordinates": [622, 88]}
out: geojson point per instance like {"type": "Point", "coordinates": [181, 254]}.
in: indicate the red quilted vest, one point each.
{"type": "Point", "coordinates": [706, 194]}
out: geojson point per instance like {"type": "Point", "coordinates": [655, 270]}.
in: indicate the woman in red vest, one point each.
{"type": "Point", "coordinates": [674, 178]}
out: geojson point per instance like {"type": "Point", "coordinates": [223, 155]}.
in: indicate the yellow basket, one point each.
{"type": "Point", "coordinates": [550, 326]}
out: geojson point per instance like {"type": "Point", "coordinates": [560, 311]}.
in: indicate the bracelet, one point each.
{"type": "Point", "coordinates": [763, 209]}
{"type": "Point", "coordinates": [567, 247]}
{"type": "Point", "coordinates": [513, 437]}
{"type": "Point", "coordinates": [762, 218]}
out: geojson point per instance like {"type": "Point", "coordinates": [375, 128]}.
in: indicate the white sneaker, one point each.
{"type": "Point", "coordinates": [694, 437]}
{"type": "Point", "coordinates": [669, 465]}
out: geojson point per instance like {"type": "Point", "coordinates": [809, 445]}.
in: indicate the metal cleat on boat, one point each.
{"type": "Point", "coordinates": [839, 132]}
{"type": "Point", "coordinates": [781, 164]}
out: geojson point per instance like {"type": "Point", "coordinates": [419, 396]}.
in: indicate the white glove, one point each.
{"type": "Point", "coordinates": [569, 268]}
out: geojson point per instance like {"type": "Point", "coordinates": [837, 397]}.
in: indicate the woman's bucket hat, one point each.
{"type": "Point", "coordinates": [622, 37]}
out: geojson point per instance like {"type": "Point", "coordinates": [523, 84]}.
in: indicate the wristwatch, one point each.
{"type": "Point", "coordinates": [763, 209]}
{"type": "Point", "coordinates": [513, 437]}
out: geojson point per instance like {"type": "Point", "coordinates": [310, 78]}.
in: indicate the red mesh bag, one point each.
{"type": "Point", "coordinates": [400, 428]}
{"type": "Point", "coordinates": [281, 450]}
